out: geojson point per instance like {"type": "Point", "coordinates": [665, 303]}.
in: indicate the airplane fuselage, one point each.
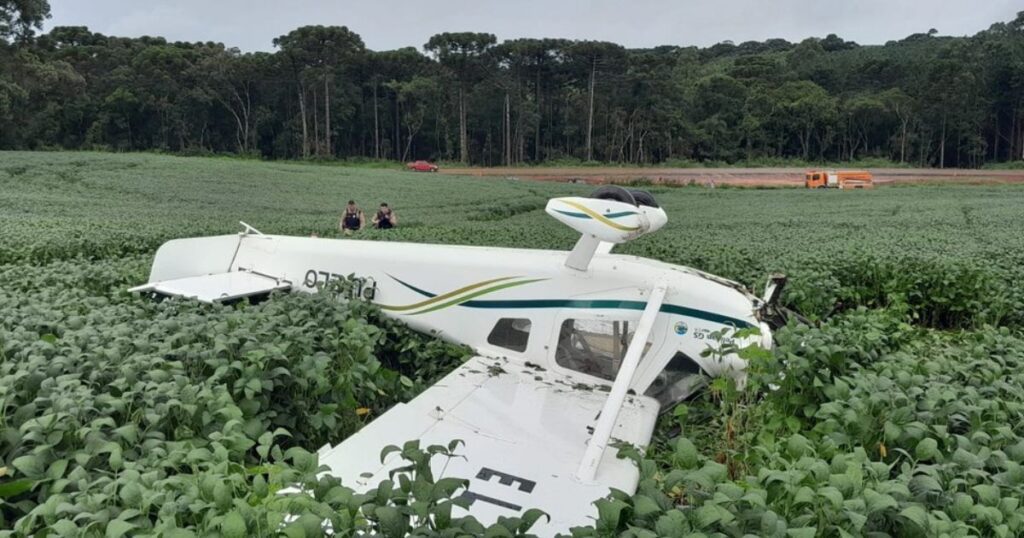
{"type": "Point", "coordinates": [460, 293]}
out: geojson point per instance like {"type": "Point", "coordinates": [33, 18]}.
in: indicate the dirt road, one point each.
{"type": "Point", "coordinates": [747, 177]}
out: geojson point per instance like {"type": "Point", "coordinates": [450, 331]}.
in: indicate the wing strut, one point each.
{"type": "Point", "coordinates": [610, 412]}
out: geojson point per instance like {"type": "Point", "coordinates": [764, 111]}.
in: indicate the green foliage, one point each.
{"type": "Point", "coordinates": [1009, 165]}
{"type": "Point", "coordinates": [924, 100]}
{"type": "Point", "coordinates": [121, 412]}
{"type": "Point", "coordinates": [946, 257]}
{"type": "Point", "coordinates": [911, 433]}
{"type": "Point", "coordinates": [895, 413]}
{"type": "Point", "coordinates": [18, 18]}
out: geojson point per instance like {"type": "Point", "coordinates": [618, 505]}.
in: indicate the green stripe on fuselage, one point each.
{"type": "Point", "coordinates": [594, 303]}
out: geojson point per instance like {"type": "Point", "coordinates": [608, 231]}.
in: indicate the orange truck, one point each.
{"type": "Point", "coordinates": [831, 179]}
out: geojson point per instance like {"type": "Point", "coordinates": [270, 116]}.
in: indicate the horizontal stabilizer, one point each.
{"type": "Point", "coordinates": [218, 287]}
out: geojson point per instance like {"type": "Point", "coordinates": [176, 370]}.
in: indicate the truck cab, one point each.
{"type": "Point", "coordinates": [815, 179]}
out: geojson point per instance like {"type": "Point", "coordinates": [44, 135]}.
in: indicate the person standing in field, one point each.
{"type": "Point", "coordinates": [353, 219]}
{"type": "Point", "coordinates": [385, 218]}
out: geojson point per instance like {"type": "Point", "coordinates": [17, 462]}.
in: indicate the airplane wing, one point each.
{"type": "Point", "coordinates": [525, 432]}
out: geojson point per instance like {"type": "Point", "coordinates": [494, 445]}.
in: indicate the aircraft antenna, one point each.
{"type": "Point", "coordinates": [249, 229]}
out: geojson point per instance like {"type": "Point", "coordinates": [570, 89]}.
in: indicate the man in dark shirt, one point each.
{"type": "Point", "coordinates": [385, 218]}
{"type": "Point", "coordinates": [352, 219]}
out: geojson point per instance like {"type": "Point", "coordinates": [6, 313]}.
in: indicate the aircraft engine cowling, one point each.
{"type": "Point", "coordinates": [608, 220]}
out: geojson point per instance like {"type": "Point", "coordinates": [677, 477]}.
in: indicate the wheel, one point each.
{"type": "Point", "coordinates": [643, 198]}
{"type": "Point", "coordinates": [614, 192]}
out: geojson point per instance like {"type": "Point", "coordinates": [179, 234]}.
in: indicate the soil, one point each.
{"type": "Point", "coordinates": [741, 177]}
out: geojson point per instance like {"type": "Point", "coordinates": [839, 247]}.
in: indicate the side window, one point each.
{"type": "Point", "coordinates": [510, 333]}
{"type": "Point", "coordinates": [595, 347]}
{"type": "Point", "coordinates": [681, 377]}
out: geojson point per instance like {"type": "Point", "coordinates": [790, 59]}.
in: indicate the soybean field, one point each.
{"type": "Point", "coordinates": [897, 410]}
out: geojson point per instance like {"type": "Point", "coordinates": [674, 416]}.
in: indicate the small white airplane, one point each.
{"type": "Point", "coordinates": [575, 351]}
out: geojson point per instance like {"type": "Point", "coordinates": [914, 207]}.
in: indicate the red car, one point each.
{"type": "Point", "coordinates": [422, 166]}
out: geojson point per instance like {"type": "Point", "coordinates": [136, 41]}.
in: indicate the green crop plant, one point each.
{"type": "Point", "coordinates": [899, 411]}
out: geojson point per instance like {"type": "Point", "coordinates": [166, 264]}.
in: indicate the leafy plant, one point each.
{"type": "Point", "coordinates": [895, 412]}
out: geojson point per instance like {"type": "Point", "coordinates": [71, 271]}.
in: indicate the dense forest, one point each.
{"type": "Point", "coordinates": [926, 100]}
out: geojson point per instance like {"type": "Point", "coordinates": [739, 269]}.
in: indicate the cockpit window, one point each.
{"type": "Point", "coordinates": [681, 378]}
{"type": "Point", "coordinates": [510, 333]}
{"type": "Point", "coordinates": [594, 347]}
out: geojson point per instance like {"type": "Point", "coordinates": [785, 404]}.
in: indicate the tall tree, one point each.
{"type": "Point", "coordinates": [536, 60]}
{"type": "Point", "coordinates": [318, 55]}
{"type": "Point", "coordinates": [806, 110]}
{"type": "Point", "coordinates": [594, 57]}
{"type": "Point", "coordinates": [18, 18]}
{"type": "Point", "coordinates": [231, 79]}
{"type": "Point", "coordinates": [903, 107]}
{"type": "Point", "coordinates": [387, 68]}
{"type": "Point", "coordinates": [415, 97]}
{"type": "Point", "coordinates": [465, 55]}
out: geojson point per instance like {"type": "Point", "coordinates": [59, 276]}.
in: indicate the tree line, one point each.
{"type": "Point", "coordinates": [926, 100]}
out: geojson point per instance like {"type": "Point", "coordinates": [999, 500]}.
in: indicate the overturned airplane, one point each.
{"type": "Point", "coordinates": [575, 350]}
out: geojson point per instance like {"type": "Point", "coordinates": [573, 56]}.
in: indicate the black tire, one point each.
{"type": "Point", "coordinates": [643, 198]}
{"type": "Point", "coordinates": [614, 192]}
